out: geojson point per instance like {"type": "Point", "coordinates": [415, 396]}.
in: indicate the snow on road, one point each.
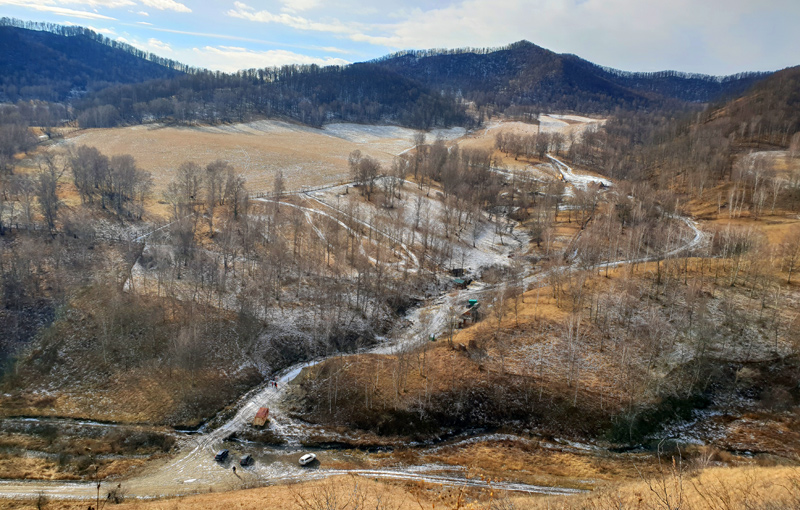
{"type": "Point", "coordinates": [194, 468]}
{"type": "Point", "coordinates": [408, 257]}
{"type": "Point", "coordinates": [579, 180]}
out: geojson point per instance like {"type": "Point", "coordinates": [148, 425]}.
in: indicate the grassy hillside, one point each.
{"type": "Point", "coordinates": [116, 357]}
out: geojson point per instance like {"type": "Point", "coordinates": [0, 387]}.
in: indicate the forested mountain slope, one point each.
{"type": "Point", "coordinates": [363, 93]}
{"type": "Point", "coordinates": [110, 83]}
{"type": "Point", "coordinates": [524, 74]}
{"type": "Point", "coordinates": [41, 64]}
{"type": "Point", "coordinates": [700, 148]}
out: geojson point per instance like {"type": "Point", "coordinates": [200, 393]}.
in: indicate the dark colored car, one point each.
{"type": "Point", "coordinates": [221, 455]}
{"type": "Point", "coordinates": [246, 460]}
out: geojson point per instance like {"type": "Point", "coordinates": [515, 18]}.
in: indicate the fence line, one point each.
{"type": "Point", "coordinates": [33, 227]}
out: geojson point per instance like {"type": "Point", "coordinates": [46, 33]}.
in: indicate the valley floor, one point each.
{"type": "Point", "coordinates": [491, 468]}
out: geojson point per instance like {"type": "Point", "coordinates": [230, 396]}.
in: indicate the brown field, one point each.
{"type": "Point", "coordinates": [686, 486]}
{"type": "Point", "coordinates": [484, 138]}
{"type": "Point", "coordinates": [307, 156]}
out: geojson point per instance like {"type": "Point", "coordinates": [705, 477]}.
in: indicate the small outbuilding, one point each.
{"type": "Point", "coordinates": [471, 315]}
{"type": "Point", "coordinates": [261, 417]}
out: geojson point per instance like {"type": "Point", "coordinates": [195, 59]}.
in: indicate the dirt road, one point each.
{"type": "Point", "coordinates": [193, 469]}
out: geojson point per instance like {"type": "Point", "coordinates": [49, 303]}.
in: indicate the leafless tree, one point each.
{"type": "Point", "coordinates": [791, 252]}
{"type": "Point", "coordinates": [47, 189]}
{"type": "Point", "coordinates": [364, 170]}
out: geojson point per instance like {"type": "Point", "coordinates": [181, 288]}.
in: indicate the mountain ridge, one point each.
{"type": "Point", "coordinates": [57, 63]}
{"type": "Point", "coordinates": [523, 73]}
{"type": "Point", "coordinates": [75, 64]}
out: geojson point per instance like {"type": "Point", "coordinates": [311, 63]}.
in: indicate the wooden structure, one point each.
{"type": "Point", "coordinates": [261, 417]}
{"type": "Point", "coordinates": [471, 315]}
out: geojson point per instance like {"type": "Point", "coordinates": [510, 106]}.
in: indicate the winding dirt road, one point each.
{"type": "Point", "coordinates": [193, 468]}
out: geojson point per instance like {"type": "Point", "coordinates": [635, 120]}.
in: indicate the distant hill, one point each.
{"type": "Point", "coordinates": [770, 111]}
{"type": "Point", "coordinates": [693, 149]}
{"type": "Point", "coordinates": [418, 89]}
{"type": "Point", "coordinates": [523, 74]}
{"type": "Point", "coordinates": [312, 95]}
{"type": "Point", "coordinates": [53, 62]}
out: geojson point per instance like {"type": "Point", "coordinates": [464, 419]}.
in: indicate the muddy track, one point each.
{"type": "Point", "coordinates": [193, 469]}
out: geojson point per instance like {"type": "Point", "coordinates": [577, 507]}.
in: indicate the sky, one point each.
{"type": "Point", "coordinates": [703, 36]}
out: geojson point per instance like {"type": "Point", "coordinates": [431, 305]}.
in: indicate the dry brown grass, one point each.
{"type": "Point", "coordinates": [774, 228]}
{"type": "Point", "coordinates": [137, 396]}
{"type": "Point", "coordinates": [368, 493]}
{"type": "Point", "coordinates": [31, 468]}
{"type": "Point", "coordinates": [715, 488]}
{"type": "Point", "coordinates": [308, 157]}
{"type": "Point", "coordinates": [484, 139]}
{"type": "Point", "coordinates": [529, 463]}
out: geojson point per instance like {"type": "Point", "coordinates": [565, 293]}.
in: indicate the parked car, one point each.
{"type": "Point", "coordinates": [246, 460]}
{"type": "Point", "coordinates": [221, 455]}
{"type": "Point", "coordinates": [307, 459]}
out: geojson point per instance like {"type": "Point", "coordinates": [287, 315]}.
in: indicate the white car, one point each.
{"type": "Point", "coordinates": [307, 459]}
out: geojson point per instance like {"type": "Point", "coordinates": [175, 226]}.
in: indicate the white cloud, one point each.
{"type": "Point", "coordinates": [166, 5]}
{"type": "Point", "coordinates": [157, 46]}
{"type": "Point", "coordinates": [299, 5]}
{"type": "Point", "coordinates": [232, 58]}
{"type": "Point", "coordinates": [49, 6]}
{"type": "Point", "coordinates": [333, 49]}
{"type": "Point", "coordinates": [104, 31]}
{"type": "Point", "coordinates": [713, 36]}
{"type": "Point", "coordinates": [152, 45]}
{"type": "Point", "coordinates": [111, 4]}
{"type": "Point", "coordinates": [244, 11]}
{"type": "Point", "coordinates": [143, 13]}
{"type": "Point", "coordinates": [211, 35]}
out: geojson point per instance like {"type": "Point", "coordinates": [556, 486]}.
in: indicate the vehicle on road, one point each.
{"type": "Point", "coordinates": [246, 460]}
{"type": "Point", "coordinates": [221, 455]}
{"type": "Point", "coordinates": [307, 459]}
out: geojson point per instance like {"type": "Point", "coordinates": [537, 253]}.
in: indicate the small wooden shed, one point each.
{"type": "Point", "coordinates": [471, 315]}
{"type": "Point", "coordinates": [261, 417]}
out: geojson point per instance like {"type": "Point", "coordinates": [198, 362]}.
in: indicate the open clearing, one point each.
{"type": "Point", "coordinates": [484, 138]}
{"type": "Point", "coordinates": [307, 156]}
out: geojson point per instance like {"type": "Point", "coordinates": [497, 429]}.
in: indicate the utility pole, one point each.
{"type": "Point", "coordinates": [96, 474]}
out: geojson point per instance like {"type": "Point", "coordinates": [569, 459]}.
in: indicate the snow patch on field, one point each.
{"type": "Point", "coordinates": [579, 180]}
{"type": "Point", "coordinates": [575, 118]}
{"type": "Point", "coordinates": [365, 134]}
{"type": "Point", "coordinates": [546, 121]}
